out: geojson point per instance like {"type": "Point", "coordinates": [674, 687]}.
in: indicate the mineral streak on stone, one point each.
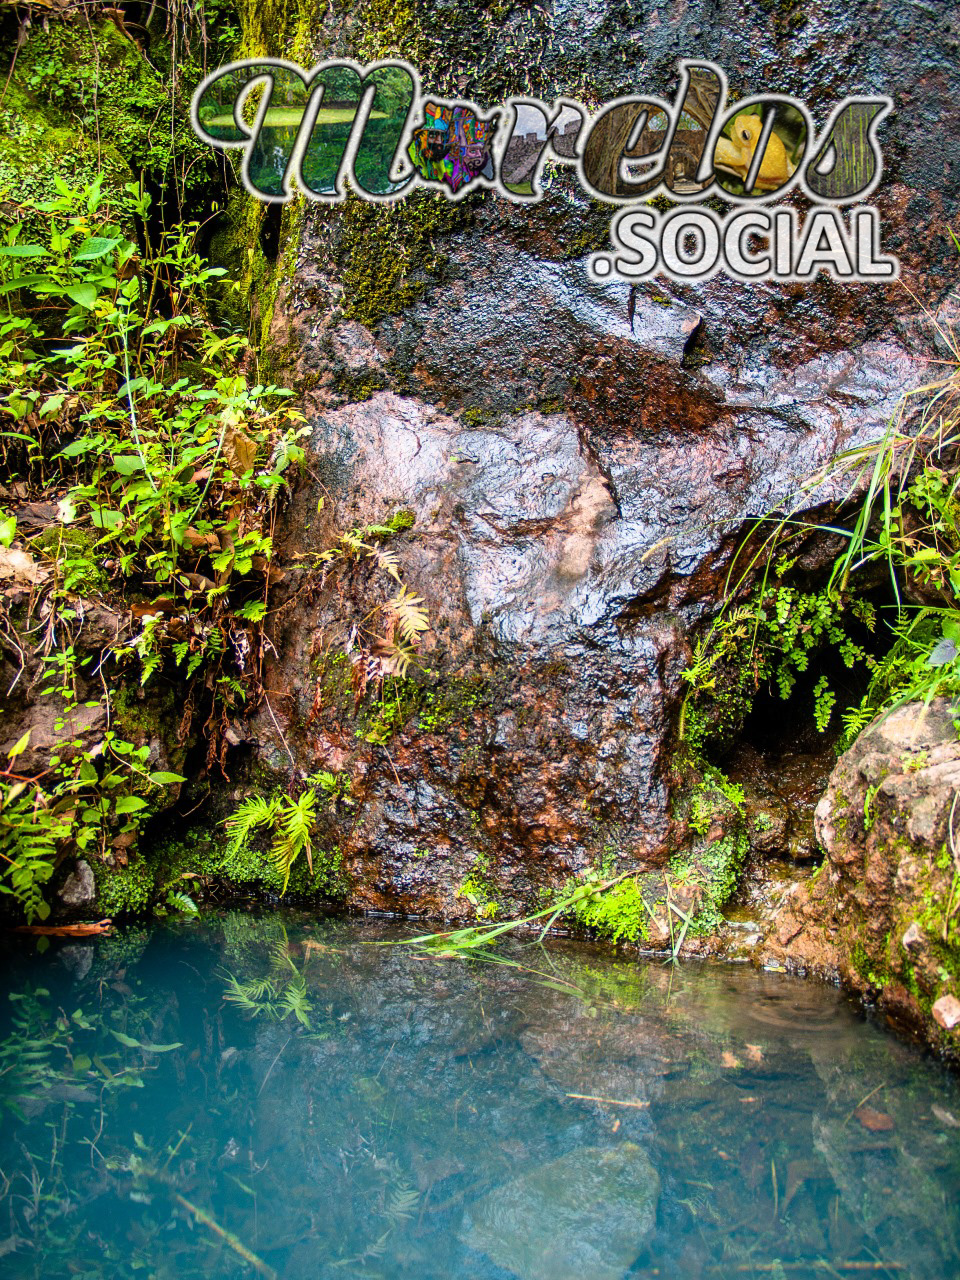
{"type": "Point", "coordinates": [585, 1214]}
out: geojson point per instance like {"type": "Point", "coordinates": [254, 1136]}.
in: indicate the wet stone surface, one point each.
{"type": "Point", "coordinates": [581, 458]}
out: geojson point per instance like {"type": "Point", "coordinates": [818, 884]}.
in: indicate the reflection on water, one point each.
{"type": "Point", "coordinates": [272, 1096]}
{"type": "Point", "coordinates": [324, 155]}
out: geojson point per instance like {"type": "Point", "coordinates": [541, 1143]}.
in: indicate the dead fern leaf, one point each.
{"type": "Point", "coordinates": [410, 614]}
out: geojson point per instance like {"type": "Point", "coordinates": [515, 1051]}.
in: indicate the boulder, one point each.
{"type": "Point", "coordinates": [582, 458]}
{"type": "Point", "coordinates": [585, 1214]}
{"type": "Point", "coordinates": [884, 911]}
{"type": "Point", "coordinates": [79, 888]}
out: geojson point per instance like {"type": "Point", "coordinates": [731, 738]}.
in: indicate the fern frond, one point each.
{"type": "Point", "coordinates": [296, 820]}
{"type": "Point", "coordinates": [377, 530]}
{"type": "Point", "coordinates": [280, 956]}
{"type": "Point", "coordinates": [30, 833]}
{"type": "Point", "coordinates": [182, 902]}
{"type": "Point", "coordinates": [402, 1203]}
{"type": "Point", "coordinates": [253, 813]}
{"type": "Point", "coordinates": [410, 614]}
{"type": "Point", "coordinates": [388, 561]}
{"type": "Point", "coordinates": [295, 1000]}
{"type": "Point", "coordinates": [354, 543]}
{"type": "Point", "coordinates": [253, 997]}
{"type": "Point", "coordinates": [394, 656]}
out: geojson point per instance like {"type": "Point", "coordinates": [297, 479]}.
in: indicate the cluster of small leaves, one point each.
{"type": "Point", "coordinates": [714, 796]}
{"type": "Point", "coordinates": [478, 889]}
{"type": "Point", "coordinates": [124, 410]}
{"type": "Point", "coordinates": [770, 639]}
{"type": "Point", "coordinates": [621, 913]}
{"type": "Point", "coordinates": [921, 542]}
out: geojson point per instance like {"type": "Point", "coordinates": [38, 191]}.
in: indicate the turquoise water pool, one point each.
{"type": "Point", "coordinates": [272, 1095]}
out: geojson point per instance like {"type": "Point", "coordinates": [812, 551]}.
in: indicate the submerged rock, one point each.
{"type": "Point", "coordinates": [585, 1214]}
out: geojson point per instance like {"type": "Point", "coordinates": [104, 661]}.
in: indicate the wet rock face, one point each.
{"type": "Point", "coordinates": [886, 901]}
{"type": "Point", "coordinates": [563, 732]}
{"type": "Point", "coordinates": [79, 888]}
{"type": "Point", "coordinates": [581, 458]}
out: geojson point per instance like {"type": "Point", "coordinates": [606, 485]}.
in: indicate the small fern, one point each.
{"type": "Point", "coordinates": [178, 901]}
{"type": "Point", "coordinates": [394, 656]}
{"type": "Point", "coordinates": [388, 561]}
{"type": "Point", "coordinates": [294, 1000]}
{"type": "Point", "coordinates": [288, 821]}
{"type": "Point", "coordinates": [252, 815]}
{"type": "Point", "coordinates": [402, 1203]}
{"type": "Point", "coordinates": [410, 614]}
{"type": "Point", "coordinates": [278, 995]}
{"type": "Point", "coordinates": [30, 830]}
{"type": "Point", "coordinates": [296, 820]}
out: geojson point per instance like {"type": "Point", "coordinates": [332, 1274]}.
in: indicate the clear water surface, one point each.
{"type": "Point", "coordinates": [271, 1095]}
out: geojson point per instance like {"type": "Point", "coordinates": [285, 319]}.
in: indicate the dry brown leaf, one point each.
{"type": "Point", "coordinates": [201, 541]}
{"type": "Point", "coordinates": [874, 1121]}
{"type": "Point", "coordinates": [19, 567]}
{"type": "Point", "coordinates": [239, 451]}
{"type": "Point", "coordinates": [67, 930]}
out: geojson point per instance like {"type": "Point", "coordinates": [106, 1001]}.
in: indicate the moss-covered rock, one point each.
{"type": "Point", "coordinates": [888, 903]}
{"type": "Point", "coordinates": [85, 99]}
{"type": "Point", "coordinates": [37, 150]}
{"type": "Point", "coordinates": [125, 888]}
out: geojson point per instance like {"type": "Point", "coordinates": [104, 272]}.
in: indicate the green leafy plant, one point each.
{"type": "Point", "coordinates": [165, 463]}
{"type": "Point", "coordinates": [899, 510]}
{"type": "Point", "coordinates": [620, 913]}
{"type": "Point", "coordinates": [30, 830]}
{"type": "Point", "coordinates": [478, 890]}
{"type": "Point", "coordinates": [769, 639]}
{"type": "Point", "coordinates": [289, 822]}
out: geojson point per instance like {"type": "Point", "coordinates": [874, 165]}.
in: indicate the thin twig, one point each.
{"type": "Point", "coordinates": [613, 1102]}
{"type": "Point", "coordinates": [226, 1236]}
{"type": "Point", "coordinates": [279, 730]}
{"type": "Point", "coordinates": [862, 1102]}
{"type": "Point", "coordinates": [272, 1065]}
